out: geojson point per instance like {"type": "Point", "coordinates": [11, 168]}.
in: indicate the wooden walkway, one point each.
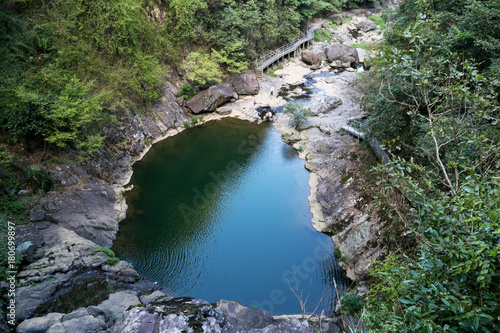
{"type": "Point", "coordinates": [275, 56]}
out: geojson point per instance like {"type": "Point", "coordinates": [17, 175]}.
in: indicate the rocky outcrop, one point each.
{"type": "Point", "coordinates": [341, 55]}
{"type": "Point", "coordinates": [209, 100]}
{"type": "Point", "coordinates": [366, 25]}
{"type": "Point", "coordinates": [190, 315]}
{"type": "Point", "coordinates": [89, 212]}
{"type": "Point", "coordinates": [311, 58]}
{"type": "Point", "coordinates": [325, 105]}
{"type": "Point", "coordinates": [245, 83]}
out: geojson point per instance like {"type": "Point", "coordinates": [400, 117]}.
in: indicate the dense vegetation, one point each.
{"type": "Point", "coordinates": [434, 100]}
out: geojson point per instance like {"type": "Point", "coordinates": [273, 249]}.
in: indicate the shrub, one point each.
{"type": "Point", "coordinates": [351, 304]}
{"type": "Point", "coordinates": [187, 91]}
{"type": "Point", "coordinates": [112, 261]}
{"type": "Point", "coordinates": [379, 21]}
{"type": "Point", "coordinates": [322, 35]}
{"type": "Point", "coordinates": [41, 177]}
{"type": "Point", "coordinates": [105, 250]}
{"type": "Point", "coordinates": [297, 111]}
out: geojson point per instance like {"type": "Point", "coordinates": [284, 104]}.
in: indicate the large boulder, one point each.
{"type": "Point", "coordinates": [325, 105]}
{"type": "Point", "coordinates": [341, 55]}
{"type": "Point", "coordinates": [311, 58]}
{"type": "Point", "coordinates": [366, 25]}
{"type": "Point", "coordinates": [209, 100]}
{"type": "Point", "coordinates": [245, 83]}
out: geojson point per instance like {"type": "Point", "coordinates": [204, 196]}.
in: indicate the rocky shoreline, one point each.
{"type": "Point", "coordinates": [69, 283]}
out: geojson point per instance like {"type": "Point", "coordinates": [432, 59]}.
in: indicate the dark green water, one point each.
{"type": "Point", "coordinates": [220, 211]}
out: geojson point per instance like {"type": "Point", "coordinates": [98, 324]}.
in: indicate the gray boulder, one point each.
{"type": "Point", "coordinates": [311, 58]}
{"type": "Point", "coordinates": [341, 55]}
{"type": "Point", "coordinates": [245, 83]}
{"type": "Point", "coordinates": [39, 325]}
{"type": "Point", "coordinates": [326, 105]}
{"type": "Point", "coordinates": [366, 25]}
{"type": "Point", "coordinates": [224, 110]}
{"type": "Point", "coordinates": [337, 18]}
{"type": "Point", "coordinates": [209, 100]}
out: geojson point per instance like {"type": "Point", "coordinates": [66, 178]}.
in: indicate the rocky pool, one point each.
{"type": "Point", "coordinates": [220, 211]}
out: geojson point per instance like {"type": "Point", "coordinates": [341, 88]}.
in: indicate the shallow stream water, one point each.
{"type": "Point", "coordinates": [220, 211]}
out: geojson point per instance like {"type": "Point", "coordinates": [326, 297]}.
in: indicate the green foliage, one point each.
{"type": "Point", "coordinates": [41, 177]}
{"type": "Point", "coordinates": [362, 45]}
{"type": "Point", "coordinates": [379, 20]}
{"type": "Point", "coordinates": [202, 69]}
{"type": "Point", "coordinates": [351, 304]}
{"type": "Point", "coordinates": [112, 261]}
{"type": "Point", "coordinates": [187, 124]}
{"type": "Point", "coordinates": [297, 111]}
{"type": "Point", "coordinates": [271, 73]}
{"type": "Point", "coordinates": [231, 57]}
{"type": "Point", "coordinates": [106, 251]}
{"type": "Point", "coordinates": [337, 253]}
{"type": "Point", "coordinates": [322, 35]}
{"type": "Point", "coordinates": [187, 91]}
{"type": "Point", "coordinates": [437, 109]}
{"type": "Point", "coordinates": [10, 203]}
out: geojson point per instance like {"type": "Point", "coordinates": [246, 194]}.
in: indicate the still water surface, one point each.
{"type": "Point", "coordinates": [220, 211]}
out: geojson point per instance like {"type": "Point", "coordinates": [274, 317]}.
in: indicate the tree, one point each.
{"type": "Point", "coordinates": [297, 111]}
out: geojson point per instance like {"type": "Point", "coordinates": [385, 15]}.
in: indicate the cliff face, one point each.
{"type": "Point", "coordinates": [69, 225]}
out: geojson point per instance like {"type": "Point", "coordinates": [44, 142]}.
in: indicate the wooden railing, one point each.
{"type": "Point", "coordinates": [271, 57]}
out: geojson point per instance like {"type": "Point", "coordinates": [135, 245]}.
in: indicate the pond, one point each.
{"type": "Point", "coordinates": [220, 211]}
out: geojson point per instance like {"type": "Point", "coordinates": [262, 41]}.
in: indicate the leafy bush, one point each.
{"type": "Point", "coordinates": [322, 35]}
{"type": "Point", "coordinates": [112, 261]}
{"type": "Point", "coordinates": [297, 111]}
{"type": "Point", "coordinates": [106, 251]}
{"type": "Point", "coordinates": [41, 177]}
{"type": "Point", "coordinates": [187, 91]}
{"type": "Point", "coordinates": [362, 45]}
{"type": "Point", "coordinates": [378, 20]}
{"type": "Point", "coordinates": [351, 304]}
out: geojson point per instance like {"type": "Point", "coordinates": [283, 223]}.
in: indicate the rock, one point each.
{"type": "Point", "coordinates": [84, 324]}
{"type": "Point", "coordinates": [337, 18]}
{"type": "Point", "coordinates": [349, 69]}
{"type": "Point", "coordinates": [245, 83]}
{"type": "Point", "coordinates": [351, 324]}
{"type": "Point", "coordinates": [241, 316]}
{"type": "Point", "coordinates": [90, 212]}
{"type": "Point", "coordinates": [325, 105]}
{"type": "Point", "coordinates": [120, 301]}
{"type": "Point", "coordinates": [209, 100]}
{"type": "Point", "coordinates": [181, 101]}
{"type": "Point", "coordinates": [366, 25]}
{"type": "Point", "coordinates": [122, 271]}
{"type": "Point", "coordinates": [224, 110]}
{"type": "Point", "coordinates": [22, 192]}
{"type": "Point", "coordinates": [146, 299]}
{"type": "Point", "coordinates": [311, 58]}
{"type": "Point", "coordinates": [342, 54]}
{"type": "Point", "coordinates": [36, 216]}
{"type": "Point", "coordinates": [174, 315]}
{"type": "Point", "coordinates": [39, 325]}
{"type": "Point", "coordinates": [363, 55]}
{"type": "Point", "coordinates": [26, 250]}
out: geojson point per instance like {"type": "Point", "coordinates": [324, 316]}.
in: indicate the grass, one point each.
{"type": "Point", "coordinates": [379, 21]}
{"type": "Point", "coordinates": [322, 35]}
{"type": "Point", "coordinates": [105, 250]}
{"type": "Point", "coordinates": [271, 73]}
{"type": "Point", "coordinates": [362, 45]}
